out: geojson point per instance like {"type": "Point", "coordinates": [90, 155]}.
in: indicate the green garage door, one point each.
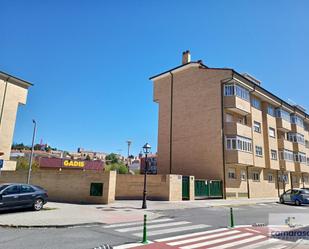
{"type": "Point", "coordinates": [201, 189]}
{"type": "Point", "coordinates": [215, 188]}
{"type": "Point", "coordinates": [185, 187]}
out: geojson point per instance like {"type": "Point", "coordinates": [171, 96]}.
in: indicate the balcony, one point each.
{"type": "Point", "coordinates": [297, 129]}
{"type": "Point", "coordinates": [285, 144]}
{"type": "Point", "coordinates": [236, 104]}
{"type": "Point", "coordinates": [287, 165]}
{"type": "Point", "coordinates": [234, 128]}
{"type": "Point", "coordinates": [299, 147]}
{"type": "Point", "coordinates": [304, 168]}
{"type": "Point", "coordinates": [238, 157]}
{"type": "Point", "coordinates": [283, 125]}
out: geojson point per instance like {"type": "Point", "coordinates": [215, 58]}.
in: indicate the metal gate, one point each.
{"type": "Point", "coordinates": [185, 188]}
{"type": "Point", "coordinates": [208, 189]}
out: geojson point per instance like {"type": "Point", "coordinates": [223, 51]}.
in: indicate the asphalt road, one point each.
{"type": "Point", "coordinates": [172, 223]}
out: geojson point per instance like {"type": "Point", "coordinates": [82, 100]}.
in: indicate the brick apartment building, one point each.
{"type": "Point", "coordinates": [13, 92]}
{"type": "Point", "coordinates": [215, 123]}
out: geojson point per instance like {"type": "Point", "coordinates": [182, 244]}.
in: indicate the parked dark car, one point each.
{"type": "Point", "coordinates": [296, 196]}
{"type": "Point", "coordinates": [18, 195]}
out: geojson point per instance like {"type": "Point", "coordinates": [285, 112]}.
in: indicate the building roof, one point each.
{"type": "Point", "coordinates": [256, 86]}
{"type": "Point", "coordinates": [6, 77]}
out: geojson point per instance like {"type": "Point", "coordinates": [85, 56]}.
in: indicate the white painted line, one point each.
{"type": "Point", "coordinates": [136, 223]}
{"type": "Point", "coordinates": [123, 230]}
{"type": "Point", "coordinates": [172, 230]}
{"type": "Point", "coordinates": [263, 204]}
{"type": "Point", "coordinates": [239, 242]}
{"type": "Point", "coordinates": [265, 242]}
{"type": "Point", "coordinates": [279, 247]}
{"type": "Point", "coordinates": [187, 241]}
{"type": "Point", "coordinates": [252, 230]}
{"type": "Point", "coordinates": [130, 245]}
{"type": "Point", "coordinates": [207, 243]}
{"type": "Point", "coordinates": [191, 235]}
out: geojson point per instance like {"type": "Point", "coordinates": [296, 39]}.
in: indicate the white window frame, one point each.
{"type": "Point", "coordinates": [273, 152]}
{"type": "Point", "coordinates": [231, 174]}
{"type": "Point", "coordinates": [259, 151]}
{"type": "Point", "coordinates": [243, 175]}
{"type": "Point", "coordinates": [256, 176]}
{"type": "Point", "coordinates": [257, 127]}
{"type": "Point", "coordinates": [270, 177]}
{"type": "Point", "coordinates": [270, 131]}
{"type": "Point", "coordinates": [239, 143]}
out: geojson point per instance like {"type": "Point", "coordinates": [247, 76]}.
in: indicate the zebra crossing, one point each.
{"type": "Point", "coordinates": [222, 238]}
{"type": "Point", "coordinates": [156, 227]}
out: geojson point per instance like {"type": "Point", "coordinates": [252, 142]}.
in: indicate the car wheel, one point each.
{"type": "Point", "coordinates": [38, 204]}
{"type": "Point", "coordinates": [281, 200]}
{"type": "Point", "coordinates": [297, 203]}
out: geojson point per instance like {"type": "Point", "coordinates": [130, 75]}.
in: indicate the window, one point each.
{"type": "Point", "coordinates": [256, 103]}
{"type": "Point", "coordinates": [96, 189]}
{"type": "Point", "coordinates": [306, 179]}
{"type": "Point", "coordinates": [286, 155]}
{"type": "Point", "coordinates": [26, 189]}
{"type": "Point", "coordinates": [258, 151]}
{"type": "Point", "coordinates": [256, 176]}
{"type": "Point", "coordinates": [239, 143]}
{"type": "Point", "coordinates": [295, 179]}
{"type": "Point", "coordinates": [273, 155]}
{"type": "Point", "coordinates": [272, 132]}
{"type": "Point", "coordinates": [308, 161]}
{"type": "Point", "coordinates": [271, 110]}
{"type": "Point", "coordinates": [270, 177]}
{"type": "Point", "coordinates": [307, 144]}
{"type": "Point", "coordinates": [228, 117]}
{"type": "Point", "coordinates": [229, 90]}
{"type": "Point", "coordinates": [232, 174]}
{"type": "Point", "coordinates": [280, 113]}
{"type": "Point", "coordinates": [15, 189]}
{"type": "Point", "coordinates": [243, 175]}
{"type": "Point", "coordinates": [300, 157]}
{"type": "Point", "coordinates": [283, 178]}
{"type": "Point", "coordinates": [296, 138]}
{"type": "Point", "coordinates": [232, 89]}
{"type": "Point", "coordinates": [257, 127]}
{"type": "Point", "coordinates": [297, 120]}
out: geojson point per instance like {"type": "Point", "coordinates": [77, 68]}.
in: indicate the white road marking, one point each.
{"type": "Point", "coordinates": [252, 230]}
{"type": "Point", "coordinates": [187, 241]}
{"type": "Point", "coordinates": [130, 245]}
{"type": "Point", "coordinates": [123, 230]}
{"type": "Point", "coordinates": [191, 235]}
{"type": "Point", "coordinates": [207, 243]}
{"type": "Point", "coordinates": [136, 223]}
{"type": "Point", "coordinates": [235, 243]}
{"type": "Point", "coordinates": [172, 230]}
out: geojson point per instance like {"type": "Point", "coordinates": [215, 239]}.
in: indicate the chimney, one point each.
{"type": "Point", "coordinates": [186, 57]}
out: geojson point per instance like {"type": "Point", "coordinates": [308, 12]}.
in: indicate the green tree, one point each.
{"type": "Point", "coordinates": [112, 158]}
{"type": "Point", "coordinates": [119, 167]}
{"type": "Point", "coordinates": [22, 163]}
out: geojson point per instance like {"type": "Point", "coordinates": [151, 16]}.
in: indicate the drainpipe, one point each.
{"type": "Point", "coordinates": [277, 179]}
{"type": "Point", "coordinates": [223, 141]}
{"type": "Point", "coordinates": [291, 179]}
{"type": "Point", "coordinates": [248, 185]}
{"type": "Point", "coordinates": [302, 179]}
{"type": "Point", "coordinates": [171, 122]}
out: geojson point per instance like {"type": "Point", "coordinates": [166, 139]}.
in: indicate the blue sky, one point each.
{"type": "Point", "coordinates": [90, 61]}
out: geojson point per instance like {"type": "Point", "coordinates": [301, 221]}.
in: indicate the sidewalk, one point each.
{"type": "Point", "coordinates": [62, 214]}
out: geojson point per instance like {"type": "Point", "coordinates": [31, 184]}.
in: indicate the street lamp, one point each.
{"type": "Point", "coordinates": [32, 149]}
{"type": "Point", "coordinates": [146, 149]}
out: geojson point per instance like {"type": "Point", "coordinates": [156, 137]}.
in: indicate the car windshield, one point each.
{"type": "Point", "coordinates": [3, 186]}
{"type": "Point", "coordinates": [304, 191]}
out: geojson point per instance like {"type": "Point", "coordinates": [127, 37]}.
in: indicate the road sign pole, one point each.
{"type": "Point", "coordinates": [232, 218]}
{"type": "Point", "coordinates": [145, 241]}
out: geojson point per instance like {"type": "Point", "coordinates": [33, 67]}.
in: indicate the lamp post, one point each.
{"type": "Point", "coordinates": [32, 149]}
{"type": "Point", "coordinates": [146, 149]}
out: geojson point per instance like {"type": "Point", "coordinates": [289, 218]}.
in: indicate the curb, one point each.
{"type": "Point", "coordinates": [53, 226]}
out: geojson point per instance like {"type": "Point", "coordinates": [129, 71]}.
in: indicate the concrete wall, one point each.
{"type": "Point", "coordinates": [159, 187]}
{"type": "Point", "coordinates": [11, 95]}
{"type": "Point", "coordinates": [68, 186]}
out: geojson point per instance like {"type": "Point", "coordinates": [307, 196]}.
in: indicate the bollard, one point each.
{"type": "Point", "coordinates": [145, 241]}
{"type": "Point", "coordinates": [232, 218]}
